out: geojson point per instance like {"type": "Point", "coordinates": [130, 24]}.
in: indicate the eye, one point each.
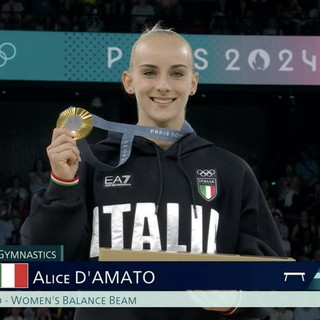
{"type": "Point", "coordinates": [149, 73]}
{"type": "Point", "coordinates": [177, 74]}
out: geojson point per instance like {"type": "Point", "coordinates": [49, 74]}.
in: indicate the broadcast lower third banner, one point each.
{"type": "Point", "coordinates": [161, 276]}
{"type": "Point", "coordinates": [159, 284]}
{"type": "Point", "coordinates": [160, 299]}
{"type": "Point", "coordinates": [13, 253]}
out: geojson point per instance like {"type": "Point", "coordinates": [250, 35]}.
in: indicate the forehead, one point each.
{"type": "Point", "coordinates": [162, 48]}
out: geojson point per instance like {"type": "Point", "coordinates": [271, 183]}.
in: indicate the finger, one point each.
{"type": "Point", "coordinates": [62, 131]}
{"type": "Point", "coordinates": [61, 140]}
{"type": "Point", "coordinates": [61, 150]}
{"type": "Point", "coordinates": [64, 157]}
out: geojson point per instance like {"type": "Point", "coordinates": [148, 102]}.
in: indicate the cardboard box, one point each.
{"type": "Point", "coordinates": [107, 254]}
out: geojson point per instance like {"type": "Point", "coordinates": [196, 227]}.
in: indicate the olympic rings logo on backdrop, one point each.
{"type": "Point", "coordinates": [7, 52]}
{"type": "Point", "coordinates": [206, 173]}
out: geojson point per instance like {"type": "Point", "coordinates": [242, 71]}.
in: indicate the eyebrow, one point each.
{"type": "Point", "coordinates": [154, 66]}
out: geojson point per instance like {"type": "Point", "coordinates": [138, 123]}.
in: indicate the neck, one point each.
{"type": "Point", "coordinates": [163, 144]}
{"type": "Point", "coordinates": [174, 125]}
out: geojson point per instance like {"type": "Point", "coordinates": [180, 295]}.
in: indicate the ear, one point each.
{"type": "Point", "coordinates": [194, 83]}
{"type": "Point", "coordinates": [127, 82]}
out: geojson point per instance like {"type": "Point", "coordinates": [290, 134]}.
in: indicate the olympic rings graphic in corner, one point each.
{"type": "Point", "coordinates": [206, 173]}
{"type": "Point", "coordinates": [4, 56]}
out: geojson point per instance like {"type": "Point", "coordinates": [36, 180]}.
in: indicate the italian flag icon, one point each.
{"type": "Point", "coordinates": [14, 275]}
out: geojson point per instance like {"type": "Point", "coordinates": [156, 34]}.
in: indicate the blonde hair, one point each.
{"type": "Point", "coordinates": [158, 30]}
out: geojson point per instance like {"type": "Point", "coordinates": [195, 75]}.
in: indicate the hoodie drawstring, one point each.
{"type": "Point", "coordinates": [184, 173]}
{"type": "Point", "coordinates": [161, 179]}
{"type": "Point", "coordinates": [189, 181]}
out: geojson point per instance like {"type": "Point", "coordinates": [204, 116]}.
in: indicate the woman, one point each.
{"type": "Point", "coordinates": [39, 176]}
{"type": "Point", "coordinates": [184, 196]}
{"type": "Point", "coordinates": [16, 192]}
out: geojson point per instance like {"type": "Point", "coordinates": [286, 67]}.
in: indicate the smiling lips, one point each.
{"type": "Point", "coordinates": [163, 101]}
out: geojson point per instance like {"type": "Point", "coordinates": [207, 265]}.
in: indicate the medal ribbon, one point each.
{"type": "Point", "coordinates": [128, 131]}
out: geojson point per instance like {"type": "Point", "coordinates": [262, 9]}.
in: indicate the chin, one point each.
{"type": "Point", "coordinates": [161, 122]}
{"type": "Point", "coordinates": [165, 118]}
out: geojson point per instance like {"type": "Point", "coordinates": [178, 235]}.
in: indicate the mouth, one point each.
{"type": "Point", "coordinates": [163, 100]}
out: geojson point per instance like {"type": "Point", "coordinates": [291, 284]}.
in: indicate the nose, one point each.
{"type": "Point", "coordinates": [163, 84]}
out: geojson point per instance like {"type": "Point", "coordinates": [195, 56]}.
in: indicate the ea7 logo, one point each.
{"type": "Point", "coordinates": [124, 180]}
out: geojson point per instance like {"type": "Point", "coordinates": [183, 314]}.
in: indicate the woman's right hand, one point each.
{"type": "Point", "coordinates": [63, 153]}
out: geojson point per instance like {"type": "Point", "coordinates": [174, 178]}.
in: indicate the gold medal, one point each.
{"type": "Point", "coordinates": [76, 119]}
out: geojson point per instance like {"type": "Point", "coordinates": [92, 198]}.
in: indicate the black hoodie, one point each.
{"type": "Point", "coordinates": [193, 197]}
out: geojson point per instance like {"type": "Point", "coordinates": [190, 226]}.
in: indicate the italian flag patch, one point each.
{"type": "Point", "coordinates": [207, 188]}
{"type": "Point", "coordinates": [14, 275]}
{"type": "Point", "coordinates": [207, 191]}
